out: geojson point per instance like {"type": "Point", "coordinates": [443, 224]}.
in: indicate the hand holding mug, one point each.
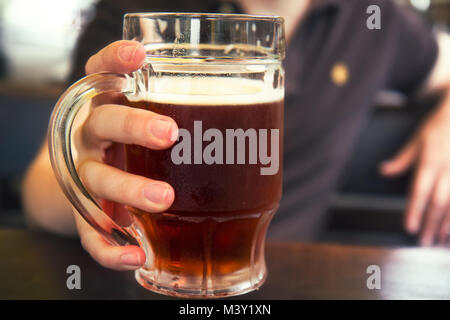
{"type": "Point", "coordinates": [107, 125]}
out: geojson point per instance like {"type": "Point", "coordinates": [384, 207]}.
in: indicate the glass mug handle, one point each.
{"type": "Point", "coordinates": [60, 148]}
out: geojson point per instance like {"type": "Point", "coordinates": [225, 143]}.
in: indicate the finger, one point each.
{"type": "Point", "coordinates": [437, 208]}
{"type": "Point", "coordinates": [444, 232]}
{"type": "Point", "coordinates": [118, 212]}
{"type": "Point", "coordinates": [122, 56]}
{"type": "Point", "coordinates": [422, 186]}
{"type": "Point", "coordinates": [401, 162]}
{"type": "Point", "coordinates": [110, 183]}
{"type": "Point", "coordinates": [130, 126]}
{"type": "Point", "coordinates": [112, 257]}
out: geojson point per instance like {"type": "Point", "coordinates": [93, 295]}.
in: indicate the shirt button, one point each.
{"type": "Point", "coordinates": [339, 74]}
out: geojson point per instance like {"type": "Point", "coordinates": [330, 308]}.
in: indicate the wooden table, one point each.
{"type": "Point", "coordinates": [33, 266]}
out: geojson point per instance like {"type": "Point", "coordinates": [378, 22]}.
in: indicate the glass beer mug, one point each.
{"type": "Point", "coordinates": [220, 77]}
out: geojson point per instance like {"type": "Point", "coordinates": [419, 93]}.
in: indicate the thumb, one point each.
{"type": "Point", "coordinates": [402, 161]}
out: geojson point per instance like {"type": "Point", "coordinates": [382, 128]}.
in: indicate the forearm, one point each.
{"type": "Point", "coordinates": [45, 205]}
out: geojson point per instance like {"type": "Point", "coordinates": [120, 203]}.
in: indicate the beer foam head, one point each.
{"type": "Point", "coordinates": [208, 91]}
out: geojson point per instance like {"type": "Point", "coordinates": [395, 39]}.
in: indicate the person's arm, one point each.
{"type": "Point", "coordinates": [428, 209]}
{"type": "Point", "coordinates": [45, 205]}
{"type": "Point", "coordinates": [428, 151]}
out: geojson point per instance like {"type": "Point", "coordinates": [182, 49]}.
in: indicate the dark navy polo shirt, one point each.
{"type": "Point", "coordinates": [334, 67]}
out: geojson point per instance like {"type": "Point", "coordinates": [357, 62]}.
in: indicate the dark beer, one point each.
{"type": "Point", "coordinates": [217, 223]}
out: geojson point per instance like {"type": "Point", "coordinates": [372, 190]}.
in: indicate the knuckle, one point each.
{"type": "Point", "coordinates": [127, 191]}
{"type": "Point", "coordinates": [88, 174]}
{"type": "Point", "coordinates": [94, 118]}
{"type": "Point", "coordinates": [431, 163]}
{"type": "Point", "coordinates": [438, 203]}
{"type": "Point", "coordinates": [420, 190]}
{"type": "Point", "coordinates": [129, 122]}
{"type": "Point", "coordinates": [429, 155]}
{"type": "Point", "coordinates": [104, 258]}
{"type": "Point", "coordinates": [84, 174]}
{"type": "Point", "coordinates": [426, 165]}
{"type": "Point", "coordinates": [438, 198]}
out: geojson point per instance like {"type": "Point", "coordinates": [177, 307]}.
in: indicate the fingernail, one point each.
{"type": "Point", "coordinates": [174, 136]}
{"type": "Point", "coordinates": [162, 129]}
{"type": "Point", "coordinates": [132, 259]}
{"type": "Point", "coordinates": [156, 193]}
{"type": "Point", "coordinates": [126, 53]}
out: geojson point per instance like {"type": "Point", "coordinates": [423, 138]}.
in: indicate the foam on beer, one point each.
{"type": "Point", "coordinates": [208, 91]}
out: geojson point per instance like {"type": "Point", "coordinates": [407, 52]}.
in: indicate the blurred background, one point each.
{"type": "Point", "coordinates": [36, 43]}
